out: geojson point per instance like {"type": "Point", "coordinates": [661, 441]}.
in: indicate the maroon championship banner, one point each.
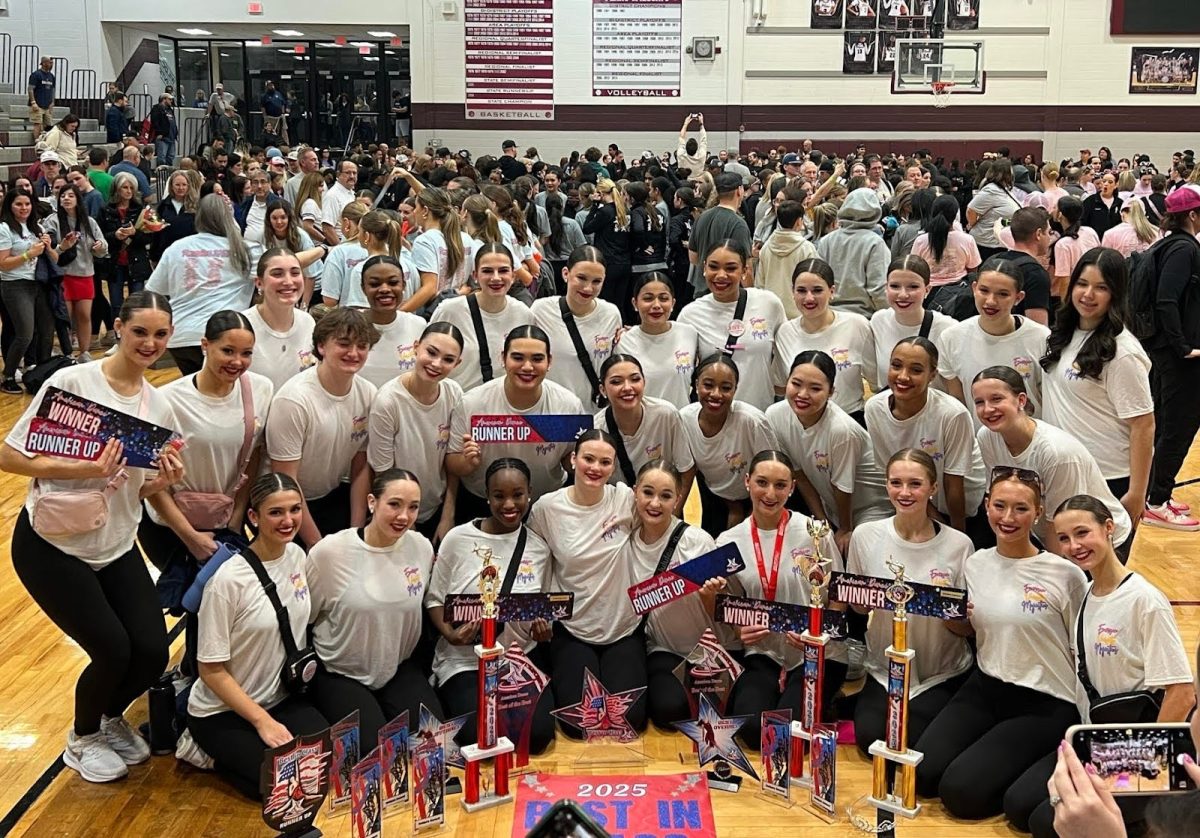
{"type": "Point", "coordinates": [637, 48]}
{"type": "Point", "coordinates": [509, 59]}
{"type": "Point", "coordinates": [648, 806]}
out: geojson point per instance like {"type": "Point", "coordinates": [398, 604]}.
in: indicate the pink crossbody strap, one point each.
{"type": "Point", "coordinates": [248, 435]}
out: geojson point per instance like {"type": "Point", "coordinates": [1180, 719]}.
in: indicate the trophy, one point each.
{"type": "Point", "coordinates": [485, 787]}
{"type": "Point", "coordinates": [901, 797]}
{"type": "Point", "coordinates": [814, 639]}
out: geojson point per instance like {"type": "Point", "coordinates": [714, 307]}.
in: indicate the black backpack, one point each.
{"type": "Point", "coordinates": [1143, 284]}
{"type": "Point", "coordinates": [957, 300]}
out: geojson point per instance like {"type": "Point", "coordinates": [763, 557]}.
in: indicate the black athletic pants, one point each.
{"type": "Point", "coordinates": [667, 700]}
{"type": "Point", "coordinates": [620, 666]}
{"type": "Point", "coordinates": [189, 359]}
{"type": "Point", "coordinates": [460, 695]}
{"type": "Point", "coordinates": [112, 613]}
{"type": "Point", "coordinates": [337, 696]}
{"type": "Point", "coordinates": [758, 690]}
{"type": "Point", "coordinates": [331, 513]}
{"type": "Point", "coordinates": [870, 713]}
{"type": "Point", "coordinates": [714, 510]}
{"type": "Point", "coordinates": [1175, 383]}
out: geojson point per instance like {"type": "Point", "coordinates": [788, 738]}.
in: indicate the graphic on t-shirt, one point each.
{"type": "Point", "coordinates": [406, 356]}
{"type": "Point", "coordinates": [841, 357]}
{"type": "Point", "coordinates": [412, 576]}
{"type": "Point", "coordinates": [758, 328]}
{"type": "Point", "coordinates": [801, 557]}
{"type": "Point", "coordinates": [821, 460]}
{"type": "Point", "coordinates": [1034, 600]}
{"type": "Point", "coordinates": [736, 462]}
{"type": "Point", "coordinates": [525, 571]}
{"type": "Point", "coordinates": [1106, 641]}
{"type": "Point", "coordinates": [930, 446]}
{"type": "Point", "coordinates": [1023, 364]}
{"type": "Point", "coordinates": [299, 586]}
{"type": "Point", "coordinates": [608, 530]}
{"type": "Point", "coordinates": [443, 437]}
{"type": "Point", "coordinates": [358, 431]}
{"type": "Point", "coordinates": [653, 452]}
{"type": "Point", "coordinates": [305, 357]}
{"type": "Point", "coordinates": [937, 576]}
{"type": "Point", "coordinates": [601, 347]}
{"type": "Point", "coordinates": [203, 267]}
{"type": "Point", "coordinates": [545, 448]}
{"type": "Point", "coordinates": [683, 361]}
{"type": "Point", "coordinates": [1072, 373]}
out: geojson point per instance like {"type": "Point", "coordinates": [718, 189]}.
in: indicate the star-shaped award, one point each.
{"type": "Point", "coordinates": [599, 713]}
{"type": "Point", "coordinates": [713, 735]}
{"type": "Point", "coordinates": [430, 726]}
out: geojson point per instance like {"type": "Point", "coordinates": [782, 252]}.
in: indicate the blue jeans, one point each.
{"type": "Point", "coordinates": [116, 287]}
{"type": "Point", "coordinates": [164, 151]}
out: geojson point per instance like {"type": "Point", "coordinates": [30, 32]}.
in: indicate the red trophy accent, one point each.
{"type": "Point", "coordinates": [814, 639]}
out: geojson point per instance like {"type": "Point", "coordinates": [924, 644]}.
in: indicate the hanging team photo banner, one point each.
{"type": "Point", "coordinates": [962, 14]}
{"type": "Point", "coordinates": [509, 59]}
{"type": "Point", "coordinates": [637, 48]}
{"type": "Point", "coordinates": [1163, 70]}
{"type": "Point", "coordinates": [827, 14]}
{"type": "Point", "coordinates": [862, 14]}
{"type": "Point", "coordinates": [858, 53]}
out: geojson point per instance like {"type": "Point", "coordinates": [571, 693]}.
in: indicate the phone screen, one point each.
{"type": "Point", "coordinates": [1137, 759]}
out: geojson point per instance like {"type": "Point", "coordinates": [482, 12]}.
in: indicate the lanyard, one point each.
{"type": "Point", "coordinates": [769, 583]}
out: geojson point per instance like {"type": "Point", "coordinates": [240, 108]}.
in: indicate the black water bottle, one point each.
{"type": "Point", "coordinates": [162, 715]}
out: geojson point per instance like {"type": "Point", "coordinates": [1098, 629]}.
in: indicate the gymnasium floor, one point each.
{"type": "Point", "coordinates": [38, 668]}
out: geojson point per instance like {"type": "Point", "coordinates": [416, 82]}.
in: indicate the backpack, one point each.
{"type": "Point", "coordinates": [1143, 286]}
{"type": "Point", "coordinates": [957, 300]}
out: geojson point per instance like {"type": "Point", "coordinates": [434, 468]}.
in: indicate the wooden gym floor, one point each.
{"type": "Point", "coordinates": [38, 669]}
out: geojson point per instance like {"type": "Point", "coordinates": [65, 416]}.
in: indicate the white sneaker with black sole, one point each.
{"type": "Point", "coordinates": [124, 740]}
{"type": "Point", "coordinates": [94, 758]}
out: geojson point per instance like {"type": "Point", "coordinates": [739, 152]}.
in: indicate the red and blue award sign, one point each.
{"type": "Point", "coordinates": [650, 806]}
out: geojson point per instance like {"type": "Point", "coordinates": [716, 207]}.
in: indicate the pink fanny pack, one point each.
{"type": "Point", "coordinates": [208, 511]}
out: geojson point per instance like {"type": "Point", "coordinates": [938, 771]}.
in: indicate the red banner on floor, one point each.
{"type": "Point", "coordinates": [674, 805]}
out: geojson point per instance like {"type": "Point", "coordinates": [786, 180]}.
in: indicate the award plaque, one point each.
{"type": "Point", "coordinates": [366, 808]}
{"type": "Point", "coordinates": [775, 749]}
{"type": "Point", "coordinates": [344, 740]}
{"type": "Point", "coordinates": [430, 727]}
{"type": "Point", "coordinates": [294, 782]}
{"type": "Point", "coordinates": [393, 758]}
{"type": "Point", "coordinates": [428, 760]}
{"type": "Point", "coordinates": [824, 769]}
{"type": "Point", "coordinates": [601, 716]}
{"type": "Point", "coordinates": [715, 743]}
{"type": "Point", "coordinates": [708, 670]}
{"type": "Point", "coordinates": [521, 688]}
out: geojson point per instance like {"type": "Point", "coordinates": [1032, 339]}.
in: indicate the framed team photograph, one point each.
{"type": "Point", "coordinates": [1163, 69]}
{"type": "Point", "coordinates": [827, 14]}
{"type": "Point", "coordinates": [962, 14]}
{"type": "Point", "coordinates": [858, 58]}
{"type": "Point", "coordinates": [862, 14]}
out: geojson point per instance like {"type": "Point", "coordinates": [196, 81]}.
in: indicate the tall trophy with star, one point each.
{"type": "Point", "coordinates": [488, 760]}
{"type": "Point", "coordinates": [814, 640]}
{"type": "Point", "coordinates": [899, 794]}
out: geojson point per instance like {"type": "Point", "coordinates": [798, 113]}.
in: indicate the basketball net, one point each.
{"type": "Point", "coordinates": [941, 93]}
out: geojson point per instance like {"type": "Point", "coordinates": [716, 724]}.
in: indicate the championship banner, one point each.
{"type": "Point", "coordinates": [76, 428]}
{"type": "Point", "coordinates": [534, 428]}
{"type": "Point", "coordinates": [776, 616]}
{"type": "Point", "coordinates": [509, 59]}
{"type": "Point", "coordinates": [466, 608]}
{"type": "Point", "coordinates": [648, 806]}
{"type": "Point", "coordinates": [637, 48]}
{"type": "Point", "coordinates": [941, 603]}
{"type": "Point", "coordinates": [686, 578]}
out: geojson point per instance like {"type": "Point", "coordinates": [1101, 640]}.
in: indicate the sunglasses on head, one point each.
{"type": "Point", "coordinates": [1024, 475]}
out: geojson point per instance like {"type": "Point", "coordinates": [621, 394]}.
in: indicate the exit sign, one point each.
{"type": "Point", "coordinates": [254, 8]}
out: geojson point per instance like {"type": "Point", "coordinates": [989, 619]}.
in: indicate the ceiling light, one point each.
{"type": "Point", "coordinates": [369, 58]}
{"type": "Point", "coordinates": [290, 33]}
{"type": "Point", "coordinates": [194, 31]}
{"type": "Point", "coordinates": [375, 34]}
{"type": "Point", "coordinates": [361, 44]}
{"type": "Point", "coordinates": [196, 49]}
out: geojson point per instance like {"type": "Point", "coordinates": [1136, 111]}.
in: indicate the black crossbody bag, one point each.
{"type": "Point", "coordinates": [1138, 706]}
{"type": "Point", "coordinates": [485, 352]}
{"type": "Point", "coordinates": [581, 352]}
{"type": "Point", "coordinates": [299, 665]}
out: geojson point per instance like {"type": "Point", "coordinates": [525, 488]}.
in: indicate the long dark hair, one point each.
{"type": "Point", "coordinates": [83, 224]}
{"type": "Point", "coordinates": [7, 216]}
{"type": "Point", "coordinates": [554, 214]}
{"type": "Point", "coordinates": [1071, 210]}
{"type": "Point", "coordinates": [1102, 346]}
{"type": "Point", "coordinates": [941, 221]}
{"type": "Point", "coordinates": [639, 195]}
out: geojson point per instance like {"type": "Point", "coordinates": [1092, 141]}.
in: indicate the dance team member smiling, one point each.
{"type": "Point", "coordinates": [522, 560]}
{"type": "Point", "coordinates": [906, 316]}
{"type": "Point", "coordinates": [667, 349]}
{"type": "Point", "coordinates": [394, 352]}
{"type": "Point", "coordinates": [283, 345]}
{"type": "Point", "coordinates": [585, 526]}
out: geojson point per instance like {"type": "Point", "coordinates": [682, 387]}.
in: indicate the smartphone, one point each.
{"type": "Point", "coordinates": [565, 819]}
{"type": "Point", "coordinates": [1136, 758]}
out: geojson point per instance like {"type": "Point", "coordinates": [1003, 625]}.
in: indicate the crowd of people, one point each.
{"type": "Point", "coordinates": [938, 361]}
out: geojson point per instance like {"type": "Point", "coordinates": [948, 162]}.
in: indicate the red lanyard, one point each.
{"type": "Point", "coordinates": [769, 583]}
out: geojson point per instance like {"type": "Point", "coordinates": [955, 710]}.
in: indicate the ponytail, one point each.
{"type": "Point", "coordinates": [554, 213]}
{"type": "Point", "coordinates": [606, 185]}
{"type": "Point", "coordinates": [437, 202]}
{"type": "Point", "coordinates": [940, 223]}
{"type": "Point", "coordinates": [487, 225]}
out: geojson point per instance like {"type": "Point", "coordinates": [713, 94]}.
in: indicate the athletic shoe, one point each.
{"type": "Point", "coordinates": [11, 387]}
{"type": "Point", "coordinates": [83, 357]}
{"type": "Point", "coordinates": [1179, 506]}
{"type": "Point", "coordinates": [1166, 517]}
{"type": "Point", "coordinates": [93, 758]}
{"type": "Point", "coordinates": [123, 739]}
{"type": "Point", "coordinates": [856, 655]}
{"type": "Point", "coordinates": [188, 751]}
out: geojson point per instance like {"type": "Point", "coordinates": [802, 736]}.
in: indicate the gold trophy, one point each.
{"type": "Point", "coordinates": [814, 639]}
{"type": "Point", "coordinates": [901, 798]}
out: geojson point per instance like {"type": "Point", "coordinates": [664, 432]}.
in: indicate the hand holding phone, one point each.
{"type": "Point", "coordinates": [1137, 758]}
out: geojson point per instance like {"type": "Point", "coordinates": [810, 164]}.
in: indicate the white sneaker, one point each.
{"type": "Point", "coordinates": [856, 656]}
{"type": "Point", "coordinates": [93, 758]}
{"type": "Point", "coordinates": [1167, 517]}
{"type": "Point", "coordinates": [83, 357]}
{"type": "Point", "coordinates": [126, 741]}
{"type": "Point", "coordinates": [188, 751]}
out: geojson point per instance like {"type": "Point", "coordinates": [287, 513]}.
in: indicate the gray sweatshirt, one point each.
{"type": "Point", "coordinates": [858, 255]}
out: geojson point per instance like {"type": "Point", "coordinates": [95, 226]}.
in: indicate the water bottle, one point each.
{"type": "Point", "coordinates": [162, 715]}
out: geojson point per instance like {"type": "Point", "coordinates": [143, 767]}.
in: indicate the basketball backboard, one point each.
{"type": "Point", "coordinates": [922, 62]}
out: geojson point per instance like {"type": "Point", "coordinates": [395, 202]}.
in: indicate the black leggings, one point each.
{"type": "Point", "coordinates": [189, 359]}
{"type": "Point", "coordinates": [112, 613]}
{"type": "Point", "coordinates": [468, 506]}
{"type": "Point", "coordinates": [235, 746]}
{"type": "Point", "coordinates": [1027, 805]}
{"type": "Point", "coordinates": [989, 735]}
{"type": "Point", "coordinates": [337, 696]}
{"type": "Point", "coordinates": [758, 690]}
{"type": "Point", "coordinates": [460, 695]}
{"type": "Point", "coordinates": [331, 512]}
{"type": "Point", "coordinates": [620, 666]}
{"type": "Point", "coordinates": [667, 700]}
{"type": "Point", "coordinates": [714, 510]}
{"type": "Point", "coordinates": [1175, 383]}
{"type": "Point", "coordinates": [870, 713]}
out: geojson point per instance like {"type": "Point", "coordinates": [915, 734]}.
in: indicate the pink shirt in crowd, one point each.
{"type": "Point", "coordinates": [960, 255]}
{"type": "Point", "coordinates": [1047, 200]}
{"type": "Point", "coordinates": [1125, 239]}
{"type": "Point", "coordinates": [1068, 249]}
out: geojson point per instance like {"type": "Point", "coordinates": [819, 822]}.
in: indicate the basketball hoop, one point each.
{"type": "Point", "coordinates": [941, 93]}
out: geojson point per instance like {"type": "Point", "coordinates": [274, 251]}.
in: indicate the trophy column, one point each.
{"type": "Point", "coordinates": [901, 798]}
{"type": "Point", "coordinates": [814, 639]}
{"type": "Point", "coordinates": [480, 792]}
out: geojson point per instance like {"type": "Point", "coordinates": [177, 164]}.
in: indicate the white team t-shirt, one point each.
{"type": "Point", "coordinates": [968, 350]}
{"type": "Point", "coordinates": [723, 458]}
{"type": "Point", "coordinates": [677, 626]}
{"type": "Point", "coordinates": [943, 430]}
{"type": "Point", "coordinates": [336, 278]}
{"type": "Point", "coordinates": [198, 276]}
{"type": "Point", "coordinates": [495, 329]}
{"type": "Point", "coordinates": [660, 434]}
{"type": "Point", "coordinates": [544, 459]}
{"type": "Point", "coordinates": [1024, 617]}
{"type": "Point", "coordinates": [429, 255]}
{"type": "Point", "coordinates": [764, 315]}
{"type": "Point", "coordinates": [835, 453]}
{"type": "Point", "coordinates": [941, 655]}
{"type": "Point", "coordinates": [1097, 411]}
{"type": "Point", "coordinates": [597, 329]}
{"type": "Point", "coordinates": [848, 340]}
{"type": "Point", "coordinates": [887, 332]}
{"type": "Point", "coordinates": [105, 545]}
{"type": "Point", "coordinates": [403, 433]}
{"type": "Point", "coordinates": [321, 430]}
{"type": "Point", "coordinates": [367, 603]}
{"type": "Point", "coordinates": [457, 572]}
{"type": "Point", "coordinates": [282, 355]}
{"type": "Point", "coordinates": [396, 351]}
{"type": "Point", "coordinates": [667, 360]}
{"type": "Point", "coordinates": [584, 543]}
{"type": "Point", "coordinates": [238, 628]}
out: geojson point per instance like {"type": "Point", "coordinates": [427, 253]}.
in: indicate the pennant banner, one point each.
{"type": "Point", "coordinates": [648, 806]}
{"type": "Point", "coordinates": [686, 578]}
{"type": "Point", "coordinates": [76, 428]}
{"type": "Point", "coordinates": [559, 605]}
{"type": "Point", "coordinates": [776, 616]}
{"type": "Point", "coordinates": [535, 428]}
{"type": "Point", "coordinates": [937, 601]}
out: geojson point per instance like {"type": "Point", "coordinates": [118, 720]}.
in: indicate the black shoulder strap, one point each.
{"type": "Point", "coordinates": [926, 323]}
{"type": "Point", "coordinates": [485, 353]}
{"type": "Point", "coordinates": [1081, 654]}
{"type": "Point", "coordinates": [665, 559]}
{"type": "Point", "coordinates": [739, 312]}
{"type": "Point", "coordinates": [622, 455]}
{"type": "Point", "coordinates": [510, 576]}
{"type": "Point", "coordinates": [581, 352]}
{"type": "Point", "coordinates": [281, 613]}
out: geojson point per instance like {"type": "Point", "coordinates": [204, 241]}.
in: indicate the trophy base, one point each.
{"type": "Point", "coordinates": [895, 807]}
{"type": "Point", "coordinates": [487, 802]}
{"type": "Point", "coordinates": [480, 794]}
{"type": "Point", "coordinates": [801, 740]}
{"type": "Point", "coordinates": [729, 783]}
{"type": "Point", "coordinates": [775, 798]}
{"type": "Point", "coordinates": [909, 757]}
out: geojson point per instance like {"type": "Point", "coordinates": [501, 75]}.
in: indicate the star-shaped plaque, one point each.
{"type": "Point", "coordinates": [430, 726]}
{"type": "Point", "coordinates": [713, 735]}
{"type": "Point", "coordinates": [599, 713]}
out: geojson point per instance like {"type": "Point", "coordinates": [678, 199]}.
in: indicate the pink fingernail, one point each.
{"type": "Point", "coordinates": [1089, 768]}
{"type": "Point", "coordinates": [1187, 758]}
{"type": "Point", "coordinates": [1062, 745]}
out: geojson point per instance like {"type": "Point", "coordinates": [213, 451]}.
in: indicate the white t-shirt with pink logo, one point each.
{"type": "Point", "coordinates": [848, 340]}
{"type": "Point", "coordinates": [960, 255]}
{"type": "Point", "coordinates": [967, 350]}
{"type": "Point", "coordinates": [282, 355]}
{"type": "Point", "coordinates": [199, 277]}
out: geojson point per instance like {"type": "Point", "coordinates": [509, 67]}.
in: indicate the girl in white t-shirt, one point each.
{"type": "Point", "coordinates": [837, 477]}
{"type": "Point", "coordinates": [907, 287]}
{"type": "Point", "coordinates": [667, 349]}
{"type": "Point", "coordinates": [282, 230]}
{"type": "Point", "coordinates": [283, 344]}
{"type": "Point", "coordinates": [724, 434]}
{"type": "Point", "coordinates": [777, 549]}
{"type": "Point", "coordinates": [933, 554]}
{"type": "Point", "coordinates": [503, 533]}
{"type": "Point", "coordinates": [395, 351]}
{"type": "Point", "coordinates": [317, 430]}
{"type": "Point", "coordinates": [240, 705]}
{"type": "Point", "coordinates": [672, 630]}
{"type": "Point", "coordinates": [1016, 706]}
{"type": "Point", "coordinates": [410, 425]}
{"type": "Point", "coordinates": [92, 582]}
{"type": "Point", "coordinates": [643, 427]}
{"type": "Point", "coordinates": [1097, 379]}
{"type": "Point", "coordinates": [368, 588]}
{"type": "Point", "coordinates": [585, 525]}
{"type": "Point", "coordinates": [842, 335]}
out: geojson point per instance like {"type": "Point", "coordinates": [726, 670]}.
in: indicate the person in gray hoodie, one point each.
{"type": "Point", "coordinates": [858, 255]}
{"type": "Point", "coordinates": [784, 249]}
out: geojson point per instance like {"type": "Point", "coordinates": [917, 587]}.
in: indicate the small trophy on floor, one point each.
{"type": "Point", "coordinates": [814, 639]}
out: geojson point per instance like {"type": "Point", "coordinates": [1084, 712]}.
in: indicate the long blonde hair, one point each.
{"type": "Point", "coordinates": [380, 226]}
{"type": "Point", "coordinates": [482, 223]}
{"type": "Point", "coordinates": [310, 187]}
{"type": "Point", "coordinates": [192, 198]}
{"type": "Point", "coordinates": [824, 218]}
{"type": "Point", "coordinates": [1141, 225]}
{"type": "Point", "coordinates": [437, 202]}
{"type": "Point", "coordinates": [607, 187]}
